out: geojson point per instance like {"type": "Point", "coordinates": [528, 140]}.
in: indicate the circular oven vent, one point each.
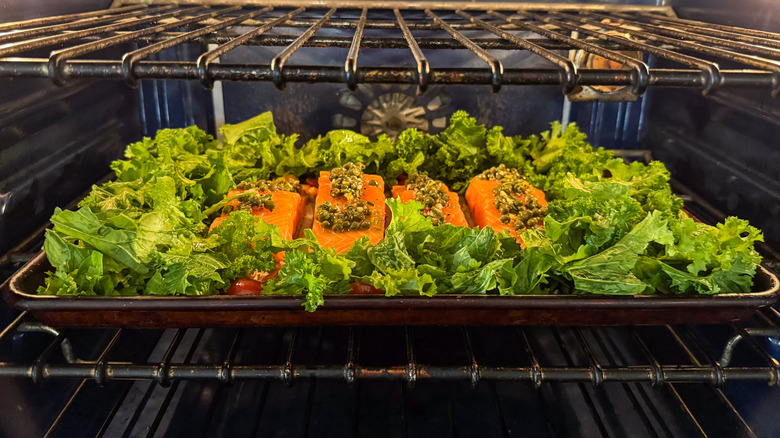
{"type": "Point", "coordinates": [389, 110]}
{"type": "Point", "coordinates": [390, 114]}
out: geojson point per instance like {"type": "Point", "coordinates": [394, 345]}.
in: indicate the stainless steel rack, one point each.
{"type": "Point", "coordinates": [122, 42]}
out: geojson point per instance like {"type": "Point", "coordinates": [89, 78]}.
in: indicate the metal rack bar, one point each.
{"type": "Point", "coordinates": [752, 61]}
{"type": "Point", "coordinates": [747, 335]}
{"type": "Point", "coordinates": [11, 328]}
{"type": "Point", "coordinates": [410, 371]}
{"type": "Point", "coordinates": [36, 371]}
{"type": "Point", "coordinates": [433, 5]}
{"type": "Point", "coordinates": [351, 63]}
{"type": "Point", "coordinates": [225, 375]}
{"type": "Point", "coordinates": [311, 388]}
{"type": "Point", "coordinates": [719, 376]}
{"type": "Point", "coordinates": [659, 377]}
{"type": "Point", "coordinates": [278, 62]}
{"type": "Point", "coordinates": [657, 34]}
{"type": "Point", "coordinates": [288, 371]}
{"type": "Point", "coordinates": [68, 404]}
{"type": "Point", "coordinates": [617, 359]}
{"type": "Point", "coordinates": [368, 42]}
{"type": "Point", "coordinates": [71, 25]}
{"type": "Point", "coordinates": [100, 373]}
{"type": "Point", "coordinates": [536, 379]}
{"type": "Point", "coordinates": [597, 372]}
{"type": "Point", "coordinates": [103, 370]}
{"type": "Point", "coordinates": [640, 77]}
{"type": "Point", "coordinates": [130, 58]}
{"type": "Point", "coordinates": [37, 22]}
{"type": "Point", "coordinates": [175, 386]}
{"type": "Point", "coordinates": [423, 68]}
{"type": "Point", "coordinates": [23, 46]}
{"type": "Point", "coordinates": [118, 403]}
{"type": "Point", "coordinates": [583, 391]}
{"type": "Point", "coordinates": [473, 365]}
{"type": "Point", "coordinates": [161, 371]}
{"type": "Point", "coordinates": [709, 69]}
{"type": "Point", "coordinates": [701, 26]}
{"type": "Point", "coordinates": [57, 57]}
{"type": "Point", "coordinates": [754, 44]}
{"type": "Point", "coordinates": [352, 356]}
{"type": "Point", "coordinates": [496, 68]}
{"type": "Point", "coordinates": [568, 77]}
{"type": "Point", "coordinates": [204, 61]}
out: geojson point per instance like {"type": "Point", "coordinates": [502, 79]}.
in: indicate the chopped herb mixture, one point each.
{"type": "Point", "coordinates": [252, 200]}
{"type": "Point", "coordinates": [350, 217]}
{"type": "Point", "coordinates": [514, 198]}
{"type": "Point", "coordinates": [347, 181]}
{"type": "Point", "coordinates": [431, 194]}
{"type": "Point", "coordinates": [277, 185]}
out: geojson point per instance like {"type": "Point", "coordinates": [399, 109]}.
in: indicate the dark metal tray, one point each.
{"type": "Point", "coordinates": [229, 311]}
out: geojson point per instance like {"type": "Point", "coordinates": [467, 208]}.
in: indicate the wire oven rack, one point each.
{"type": "Point", "coordinates": [595, 366]}
{"type": "Point", "coordinates": [701, 55]}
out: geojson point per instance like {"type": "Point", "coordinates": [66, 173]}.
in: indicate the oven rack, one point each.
{"type": "Point", "coordinates": [591, 361]}
{"type": "Point", "coordinates": [126, 42]}
{"type": "Point", "coordinates": [601, 366]}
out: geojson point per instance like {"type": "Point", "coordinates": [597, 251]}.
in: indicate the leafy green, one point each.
{"type": "Point", "coordinates": [337, 148]}
{"type": "Point", "coordinates": [558, 152]}
{"type": "Point", "coordinates": [416, 257]}
{"type": "Point", "coordinates": [410, 151]}
{"type": "Point", "coordinates": [311, 269]}
{"type": "Point", "coordinates": [458, 152]}
{"type": "Point", "coordinates": [257, 151]}
{"type": "Point", "coordinates": [511, 151]}
{"type": "Point", "coordinates": [705, 259]}
{"type": "Point", "coordinates": [611, 227]}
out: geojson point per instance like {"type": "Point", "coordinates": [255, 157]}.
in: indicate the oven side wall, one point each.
{"type": "Point", "coordinates": [723, 146]}
{"type": "Point", "coordinates": [55, 142]}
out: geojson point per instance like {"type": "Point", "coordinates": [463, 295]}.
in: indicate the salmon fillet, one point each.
{"type": "Point", "coordinates": [452, 212]}
{"type": "Point", "coordinates": [373, 195]}
{"type": "Point", "coordinates": [481, 201]}
{"type": "Point", "coordinates": [286, 215]}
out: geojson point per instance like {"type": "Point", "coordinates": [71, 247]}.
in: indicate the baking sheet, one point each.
{"type": "Point", "coordinates": [238, 311]}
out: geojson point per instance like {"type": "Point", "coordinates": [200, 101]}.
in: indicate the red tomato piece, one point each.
{"type": "Point", "coordinates": [245, 286]}
{"type": "Point", "coordinates": [365, 289]}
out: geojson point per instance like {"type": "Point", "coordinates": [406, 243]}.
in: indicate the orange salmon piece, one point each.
{"type": "Point", "coordinates": [286, 215]}
{"type": "Point", "coordinates": [288, 211]}
{"type": "Point", "coordinates": [481, 201]}
{"type": "Point", "coordinates": [452, 212]}
{"type": "Point", "coordinates": [342, 241]}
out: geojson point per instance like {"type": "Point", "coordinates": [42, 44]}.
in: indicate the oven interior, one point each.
{"type": "Point", "coordinates": [58, 134]}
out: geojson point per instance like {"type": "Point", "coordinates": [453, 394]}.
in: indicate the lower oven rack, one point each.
{"type": "Point", "coordinates": [595, 362]}
{"type": "Point", "coordinates": [704, 367]}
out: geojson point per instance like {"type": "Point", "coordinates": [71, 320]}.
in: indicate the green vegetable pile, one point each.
{"type": "Point", "coordinates": [611, 227]}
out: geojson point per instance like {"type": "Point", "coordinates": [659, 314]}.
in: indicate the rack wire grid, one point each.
{"type": "Point", "coordinates": [700, 55]}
